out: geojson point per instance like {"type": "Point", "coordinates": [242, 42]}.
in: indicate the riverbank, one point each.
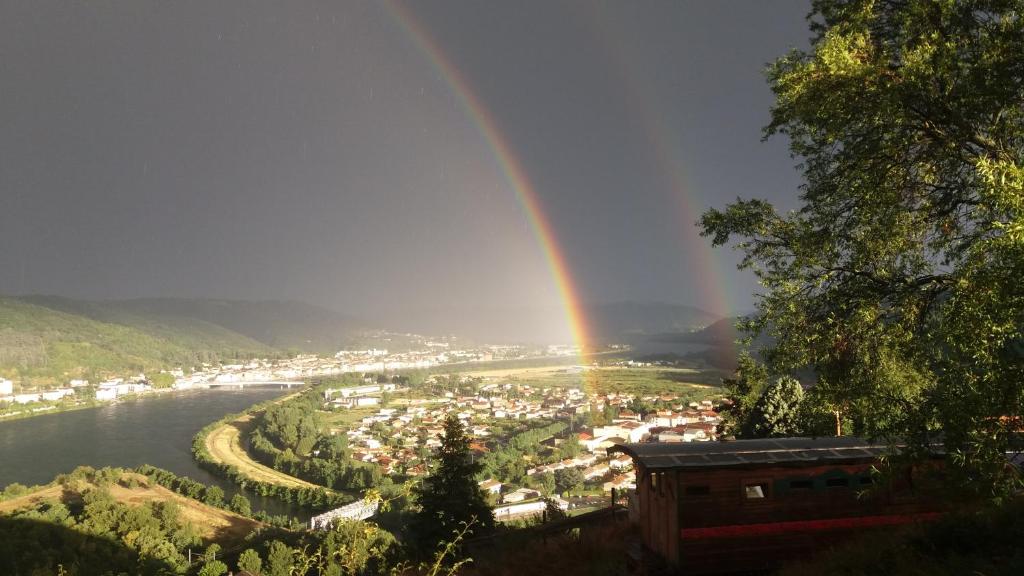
{"type": "Point", "coordinates": [224, 445]}
{"type": "Point", "coordinates": [21, 412]}
{"type": "Point", "coordinates": [218, 449]}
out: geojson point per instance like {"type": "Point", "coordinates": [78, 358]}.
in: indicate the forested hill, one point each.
{"type": "Point", "coordinates": [274, 323]}
{"type": "Point", "coordinates": [48, 340]}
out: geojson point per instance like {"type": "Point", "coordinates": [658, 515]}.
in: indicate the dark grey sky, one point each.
{"type": "Point", "coordinates": [309, 150]}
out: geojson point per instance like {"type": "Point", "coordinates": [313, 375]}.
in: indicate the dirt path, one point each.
{"type": "Point", "coordinates": [225, 445]}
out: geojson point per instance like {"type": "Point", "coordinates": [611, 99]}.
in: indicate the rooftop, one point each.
{"type": "Point", "coordinates": [737, 453]}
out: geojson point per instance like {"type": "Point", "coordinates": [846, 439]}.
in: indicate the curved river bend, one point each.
{"type": "Point", "coordinates": [155, 430]}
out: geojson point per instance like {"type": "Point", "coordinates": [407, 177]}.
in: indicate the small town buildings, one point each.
{"type": "Point", "coordinates": [490, 486]}
{"type": "Point", "coordinates": [520, 495]}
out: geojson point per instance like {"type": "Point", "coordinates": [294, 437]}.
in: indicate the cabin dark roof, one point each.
{"type": "Point", "coordinates": [737, 453]}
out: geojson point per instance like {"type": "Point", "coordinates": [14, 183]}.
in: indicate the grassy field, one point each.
{"type": "Point", "coordinates": [213, 524]}
{"type": "Point", "coordinates": [346, 418]}
{"type": "Point", "coordinates": [643, 381]}
{"type": "Point", "coordinates": [224, 445]}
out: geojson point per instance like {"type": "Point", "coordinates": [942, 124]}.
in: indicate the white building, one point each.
{"type": "Point", "coordinates": [6, 387]}
{"type": "Point", "coordinates": [53, 395]}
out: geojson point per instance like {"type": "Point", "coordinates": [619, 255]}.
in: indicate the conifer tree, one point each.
{"type": "Point", "coordinates": [450, 497]}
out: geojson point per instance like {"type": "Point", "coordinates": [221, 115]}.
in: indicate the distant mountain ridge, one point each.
{"type": "Point", "coordinates": [50, 339]}
{"type": "Point", "coordinates": [607, 323]}
{"type": "Point", "coordinates": [614, 321]}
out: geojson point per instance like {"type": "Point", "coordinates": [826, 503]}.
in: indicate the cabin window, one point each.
{"type": "Point", "coordinates": [654, 480]}
{"type": "Point", "coordinates": [837, 482]}
{"type": "Point", "coordinates": [698, 490]}
{"type": "Point", "coordinates": [755, 490]}
{"type": "Point", "coordinates": [801, 484]}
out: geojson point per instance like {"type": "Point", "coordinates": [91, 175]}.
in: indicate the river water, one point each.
{"type": "Point", "coordinates": [155, 430]}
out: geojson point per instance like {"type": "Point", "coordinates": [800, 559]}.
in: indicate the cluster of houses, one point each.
{"type": "Point", "coordinates": [429, 354]}
{"type": "Point", "coordinates": [108, 390]}
{"type": "Point", "coordinates": [397, 439]}
{"type": "Point", "coordinates": [7, 394]}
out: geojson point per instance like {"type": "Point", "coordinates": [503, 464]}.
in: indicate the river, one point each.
{"type": "Point", "coordinates": [155, 430]}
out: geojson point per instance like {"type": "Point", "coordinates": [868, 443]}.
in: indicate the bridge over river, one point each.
{"type": "Point", "coordinates": [256, 383]}
{"type": "Point", "coordinates": [358, 510]}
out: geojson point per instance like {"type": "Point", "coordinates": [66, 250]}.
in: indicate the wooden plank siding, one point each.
{"type": "Point", "coordinates": [700, 519]}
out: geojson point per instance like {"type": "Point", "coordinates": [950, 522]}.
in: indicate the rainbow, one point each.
{"type": "Point", "coordinates": [645, 104]}
{"type": "Point", "coordinates": [510, 166]}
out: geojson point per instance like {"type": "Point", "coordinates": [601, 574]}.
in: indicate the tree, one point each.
{"type": "Point", "coordinates": [214, 495]}
{"type": "Point", "coordinates": [897, 281]}
{"type": "Point", "coordinates": [240, 505]}
{"type": "Point", "coordinates": [745, 389]}
{"type": "Point", "coordinates": [450, 497]}
{"type": "Point", "coordinates": [777, 411]}
{"type": "Point", "coordinates": [570, 447]}
{"type": "Point", "coordinates": [279, 559]}
{"type": "Point", "coordinates": [568, 479]}
{"type": "Point", "coordinates": [213, 568]}
{"type": "Point", "coordinates": [249, 561]}
{"type": "Point", "coordinates": [552, 511]}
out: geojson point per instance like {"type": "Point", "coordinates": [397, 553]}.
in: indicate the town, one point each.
{"type": "Point", "coordinates": [17, 400]}
{"type": "Point", "coordinates": [570, 431]}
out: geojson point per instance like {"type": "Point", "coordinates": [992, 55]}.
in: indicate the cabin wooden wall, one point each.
{"type": "Point", "coordinates": [659, 519]}
{"type": "Point", "coordinates": [725, 502]}
{"type": "Point", "coordinates": [795, 494]}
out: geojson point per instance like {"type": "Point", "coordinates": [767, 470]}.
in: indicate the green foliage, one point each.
{"type": "Point", "coordinates": [315, 498]}
{"type": "Point", "coordinates": [568, 479]}
{"type": "Point", "coordinates": [898, 279]}
{"type": "Point", "coordinates": [505, 460]}
{"type": "Point", "coordinates": [777, 411]}
{"type": "Point", "coordinates": [240, 505]}
{"type": "Point", "coordinates": [279, 559]}
{"type": "Point", "coordinates": [250, 561]}
{"type": "Point", "coordinates": [552, 511]}
{"type": "Point", "coordinates": [287, 434]}
{"type": "Point", "coordinates": [214, 496]}
{"type": "Point", "coordinates": [97, 534]}
{"type": "Point", "coordinates": [213, 568]}
{"type": "Point", "coordinates": [745, 388]}
{"type": "Point", "coordinates": [161, 380]}
{"type": "Point", "coordinates": [449, 497]}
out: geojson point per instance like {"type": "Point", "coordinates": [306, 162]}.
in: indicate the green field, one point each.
{"type": "Point", "coordinates": [688, 383]}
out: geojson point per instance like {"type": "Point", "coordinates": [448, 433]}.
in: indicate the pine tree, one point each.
{"type": "Point", "coordinates": [450, 496]}
{"type": "Point", "coordinates": [777, 411]}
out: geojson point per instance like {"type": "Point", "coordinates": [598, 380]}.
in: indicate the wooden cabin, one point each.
{"type": "Point", "coordinates": [747, 505]}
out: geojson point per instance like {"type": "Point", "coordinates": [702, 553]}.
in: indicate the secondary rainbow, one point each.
{"type": "Point", "coordinates": [510, 166]}
{"type": "Point", "coordinates": [647, 107]}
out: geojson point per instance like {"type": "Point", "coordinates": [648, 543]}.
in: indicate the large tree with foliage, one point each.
{"type": "Point", "coordinates": [450, 497]}
{"type": "Point", "coordinates": [899, 279]}
{"type": "Point", "coordinates": [777, 412]}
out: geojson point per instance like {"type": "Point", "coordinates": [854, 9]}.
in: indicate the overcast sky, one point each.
{"type": "Point", "coordinates": [310, 151]}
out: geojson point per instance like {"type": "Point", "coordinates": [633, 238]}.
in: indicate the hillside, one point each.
{"type": "Point", "coordinates": [620, 320]}
{"type": "Point", "coordinates": [223, 323]}
{"type": "Point", "coordinates": [46, 340]}
{"type": "Point", "coordinates": [111, 521]}
{"type": "Point", "coordinates": [608, 323]}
